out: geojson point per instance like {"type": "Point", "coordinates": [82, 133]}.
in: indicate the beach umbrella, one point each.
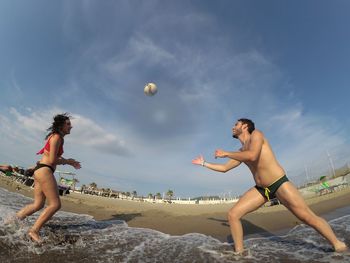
{"type": "Point", "coordinates": [322, 177]}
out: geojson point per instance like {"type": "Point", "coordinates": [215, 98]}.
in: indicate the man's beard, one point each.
{"type": "Point", "coordinates": [236, 133]}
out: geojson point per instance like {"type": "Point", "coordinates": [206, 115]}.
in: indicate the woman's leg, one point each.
{"type": "Point", "coordinates": [38, 203]}
{"type": "Point", "coordinates": [49, 188]}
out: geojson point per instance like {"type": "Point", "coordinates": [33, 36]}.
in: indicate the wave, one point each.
{"type": "Point", "coordinates": [79, 238]}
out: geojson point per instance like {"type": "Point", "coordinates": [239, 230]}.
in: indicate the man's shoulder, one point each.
{"type": "Point", "coordinates": [257, 136]}
{"type": "Point", "coordinates": [257, 133]}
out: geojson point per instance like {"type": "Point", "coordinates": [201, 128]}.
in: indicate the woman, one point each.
{"type": "Point", "coordinates": [45, 186]}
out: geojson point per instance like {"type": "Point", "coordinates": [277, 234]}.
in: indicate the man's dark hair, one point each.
{"type": "Point", "coordinates": [250, 124]}
{"type": "Point", "coordinates": [58, 122]}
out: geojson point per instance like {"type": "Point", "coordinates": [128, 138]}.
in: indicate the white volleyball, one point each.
{"type": "Point", "coordinates": [150, 89]}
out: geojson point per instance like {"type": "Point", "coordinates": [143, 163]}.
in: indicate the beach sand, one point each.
{"type": "Point", "coordinates": [176, 219]}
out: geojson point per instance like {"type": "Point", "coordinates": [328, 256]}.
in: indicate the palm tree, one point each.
{"type": "Point", "coordinates": [170, 194]}
{"type": "Point", "coordinates": [109, 192]}
{"type": "Point", "coordinates": [93, 185]}
{"type": "Point", "coordinates": [75, 180]}
{"type": "Point", "coordinates": [150, 195]}
{"type": "Point", "coordinates": [134, 193]}
{"type": "Point", "coordinates": [158, 196]}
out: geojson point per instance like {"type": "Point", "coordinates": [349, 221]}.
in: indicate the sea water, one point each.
{"type": "Point", "coordinates": [70, 237]}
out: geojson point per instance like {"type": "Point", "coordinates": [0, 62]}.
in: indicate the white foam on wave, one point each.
{"type": "Point", "coordinates": [80, 237]}
{"type": "Point", "coordinates": [302, 243]}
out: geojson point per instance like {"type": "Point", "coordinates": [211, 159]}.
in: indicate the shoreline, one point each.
{"type": "Point", "coordinates": [180, 219]}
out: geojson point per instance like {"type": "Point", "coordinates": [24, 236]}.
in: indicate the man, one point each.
{"type": "Point", "coordinates": [270, 180]}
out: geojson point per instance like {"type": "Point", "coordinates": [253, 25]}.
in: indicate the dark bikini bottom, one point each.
{"type": "Point", "coordinates": [41, 165]}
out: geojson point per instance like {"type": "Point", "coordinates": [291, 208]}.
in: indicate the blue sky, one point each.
{"type": "Point", "coordinates": [284, 64]}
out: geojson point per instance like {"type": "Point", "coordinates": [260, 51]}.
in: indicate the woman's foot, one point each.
{"type": "Point", "coordinates": [341, 247]}
{"type": "Point", "coordinates": [34, 236]}
{"type": "Point", "coordinates": [242, 253]}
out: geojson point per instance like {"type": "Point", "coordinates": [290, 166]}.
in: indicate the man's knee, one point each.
{"type": "Point", "coordinates": [309, 219]}
{"type": "Point", "coordinates": [233, 215]}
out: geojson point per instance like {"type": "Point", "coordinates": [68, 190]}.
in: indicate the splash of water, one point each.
{"type": "Point", "coordinates": [79, 238]}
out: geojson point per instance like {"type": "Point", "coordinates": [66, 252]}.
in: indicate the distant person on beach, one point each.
{"type": "Point", "coordinates": [8, 169]}
{"type": "Point", "coordinates": [5, 168]}
{"type": "Point", "coordinates": [45, 185]}
{"type": "Point", "coordinates": [271, 182]}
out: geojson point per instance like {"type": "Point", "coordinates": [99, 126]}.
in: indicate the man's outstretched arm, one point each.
{"type": "Point", "coordinates": [215, 166]}
{"type": "Point", "coordinates": [249, 155]}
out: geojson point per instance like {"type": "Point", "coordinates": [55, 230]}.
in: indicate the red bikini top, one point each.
{"type": "Point", "coordinates": [47, 147]}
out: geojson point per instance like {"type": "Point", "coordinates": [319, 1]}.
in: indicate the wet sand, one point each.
{"type": "Point", "coordinates": [176, 219]}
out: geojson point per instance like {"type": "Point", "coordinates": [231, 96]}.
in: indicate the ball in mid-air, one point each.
{"type": "Point", "coordinates": [150, 89]}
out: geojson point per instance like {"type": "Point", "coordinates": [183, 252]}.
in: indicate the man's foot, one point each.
{"type": "Point", "coordinates": [34, 236]}
{"type": "Point", "coordinates": [341, 247]}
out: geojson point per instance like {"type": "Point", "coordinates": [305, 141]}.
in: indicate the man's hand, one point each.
{"type": "Point", "coordinates": [220, 154]}
{"type": "Point", "coordinates": [199, 160]}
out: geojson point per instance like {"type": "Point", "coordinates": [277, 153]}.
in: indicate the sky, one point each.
{"type": "Point", "coordinates": [283, 64]}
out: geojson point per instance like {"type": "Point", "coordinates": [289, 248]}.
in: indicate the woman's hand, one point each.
{"type": "Point", "coordinates": [74, 163]}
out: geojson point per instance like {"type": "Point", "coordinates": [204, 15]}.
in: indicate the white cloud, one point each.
{"type": "Point", "coordinates": [31, 125]}
{"type": "Point", "coordinates": [160, 116]}
{"type": "Point", "coordinates": [304, 141]}
{"type": "Point", "coordinates": [23, 128]}
{"type": "Point", "coordinates": [89, 133]}
{"type": "Point", "coordinates": [15, 86]}
{"type": "Point", "coordinates": [145, 47]}
{"type": "Point", "coordinates": [205, 83]}
{"type": "Point", "coordinates": [140, 50]}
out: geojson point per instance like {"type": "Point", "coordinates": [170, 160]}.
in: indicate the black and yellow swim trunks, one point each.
{"type": "Point", "coordinates": [270, 191]}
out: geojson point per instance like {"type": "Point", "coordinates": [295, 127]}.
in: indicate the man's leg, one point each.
{"type": "Point", "coordinates": [290, 197]}
{"type": "Point", "coordinates": [249, 202]}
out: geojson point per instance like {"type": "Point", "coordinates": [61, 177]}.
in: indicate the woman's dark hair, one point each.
{"type": "Point", "coordinates": [58, 122]}
{"type": "Point", "coordinates": [250, 124]}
